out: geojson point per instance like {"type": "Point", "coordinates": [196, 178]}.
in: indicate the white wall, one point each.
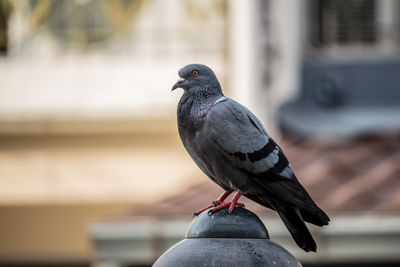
{"type": "Point", "coordinates": [248, 55]}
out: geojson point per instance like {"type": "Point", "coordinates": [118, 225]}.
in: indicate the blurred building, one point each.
{"type": "Point", "coordinates": [90, 160]}
{"type": "Point", "coordinates": [87, 119]}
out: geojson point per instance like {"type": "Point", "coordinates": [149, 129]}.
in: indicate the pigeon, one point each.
{"type": "Point", "coordinates": [231, 146]}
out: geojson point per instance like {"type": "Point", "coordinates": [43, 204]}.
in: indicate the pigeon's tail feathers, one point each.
{"type": "Point", "coordinates": [294, 222]}
{"type": "Point", "coordinates": [315, 215]}
{"type": "Point", "coordinates": [292, 218]}
{"type": "Point", "coordinates": [292, 192]}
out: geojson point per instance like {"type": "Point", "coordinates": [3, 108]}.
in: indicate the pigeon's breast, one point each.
{"type": "Point", "coordinates": [206, 157]}
{"type": "Point", "coordinates": [191, 121]}
{"type": "Point", "coordinates": [192, 113]}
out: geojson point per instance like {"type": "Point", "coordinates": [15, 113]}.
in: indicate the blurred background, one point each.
{"type": "Point", "coordinates": [92, 171]}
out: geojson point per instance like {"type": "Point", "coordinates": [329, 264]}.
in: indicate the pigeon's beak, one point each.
{"type": "Point", "coordinates": [178, 84]}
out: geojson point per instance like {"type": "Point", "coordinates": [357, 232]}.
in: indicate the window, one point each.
{"type": "Point", "coordinates": [338, 22]}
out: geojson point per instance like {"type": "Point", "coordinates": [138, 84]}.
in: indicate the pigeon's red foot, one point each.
{"type": "Point", "coordinates": [231, 204]}
{"type": "Point", "coordinates": [216, 203]}
{"type": "Point", "coordinates": [197, 213]}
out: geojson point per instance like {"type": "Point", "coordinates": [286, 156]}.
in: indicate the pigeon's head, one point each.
{"type": "Point", "coordinates": [195, 76]}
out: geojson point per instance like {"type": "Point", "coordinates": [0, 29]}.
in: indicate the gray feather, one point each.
{"type": "Point", "coordinates": [241, 137]}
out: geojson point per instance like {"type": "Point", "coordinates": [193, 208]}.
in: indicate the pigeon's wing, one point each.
{"type": "Point", "coordinates": [238, 133]}
{"type": "Point", "coordinates": [240, 136]}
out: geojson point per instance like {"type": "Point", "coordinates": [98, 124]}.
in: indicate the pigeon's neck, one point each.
{"type": "Point", "coordinates": [204, 96]}
{"type": "Point", "coordinates": [194, 106]}
{"type": "Point", "coordinates": [198, 100]}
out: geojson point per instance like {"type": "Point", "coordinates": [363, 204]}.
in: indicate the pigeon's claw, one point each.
{"type": "Point", "coordinates": [231, 204]}
{"type": "Point", "coordinates": [197, 213]}
{"type": "Point", "coordinates": [216, 203]}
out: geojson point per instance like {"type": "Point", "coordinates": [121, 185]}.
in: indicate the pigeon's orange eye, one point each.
{"type": "Point", "coordinates": [195, 73]}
